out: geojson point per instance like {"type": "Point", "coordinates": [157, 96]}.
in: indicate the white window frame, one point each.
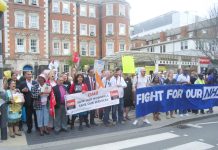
{"type": "Point", "coordinates": [109, 10]}
{"type": "Point", "coordinates": [122, 10]}
{"type": "Point", "coordinates": [65, 10]}
{"type": "Point", "coordinates": [92, 30]}
{"type": "Point", "coordinates": [83, 12]}
{"type": "Point", "coordinates": [19, 1]}
{"type": "Point", "coordinates": [68, 68]}
{"type": "Point", "coordinates": [56, 9]}
{"type": "Point", "coordinates": [64, 50]}
{"type": "Point", "coordinates": [124, 48]}
{"type": "Point", "coordinates": [65, 27]}
{"type": "Point", "coordinates": [92, 11]}
{"type": "Point", "coordinates": [36, 26]}
{"type": "Point", "coordinates": [109, 51]}
{"type": "Point", "coordinates": [107, 29]}
{"type": "Point", "coordinates": [54, 30]}
{"type": "Point", "coordinates": [83, 32]}
{"type": "Point", "coordinates": [92, 43]}
{"type": "Point", "coordinates": [56, 51]}
{"type": "Point", "coordinates": [16, 19]}
{"type": "Point", "coordinates": [33, 4]}
{"type": "Point", "coordinates": [83, 46]}
{"type": "Point", "coordinates": [19, 47]}
{"type": "Point", "coordinates": [120, 30]}
{"type": "Point", "coordinates": [37, 45]}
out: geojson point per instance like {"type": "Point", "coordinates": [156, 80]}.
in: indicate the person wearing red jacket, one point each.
{"type": "Point", "coordinates": [77, 87]}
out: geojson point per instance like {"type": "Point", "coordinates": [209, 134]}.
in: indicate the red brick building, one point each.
{"type": "Point", "coordinates": [62, 29]}
{"type": "Point", "coordinates": [25, 34]}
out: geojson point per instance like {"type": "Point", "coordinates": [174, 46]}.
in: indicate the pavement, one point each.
{"type": "Point", "coordinates": [34, 141]}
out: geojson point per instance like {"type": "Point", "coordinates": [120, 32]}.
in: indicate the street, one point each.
{"type": "Point", "coordinates": [199, 135]}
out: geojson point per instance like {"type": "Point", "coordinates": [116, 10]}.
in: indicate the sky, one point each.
{"type": "Point", "coordinates": [142, 10]}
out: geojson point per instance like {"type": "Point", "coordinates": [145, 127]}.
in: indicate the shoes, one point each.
{"type": "Point", "coordinates": [167, 117]}
{"type": "Point", "coordinates": [29, 131]}
{"type": "Point", "coordinates": [181, 115]}
{"type": "Point", "coordinates": [135, 122]}
{"type": "Point", "coordinates": [80, 128]}
{"type": "Point", "coordinates": [127, 118]}
{"type": "Point", "coordinates": [94, 124]}
{"type": "Point", "coordinates": [146, 121]}
{"type": "Point", "coordinates": [172, 116]}
{"type": "Point", "coordinates": [46, 132]}
{"type": "Point", "coordinates": [114, 123]}
{"type": "Point", "coordinates": [121, 122]}
{"type": "Point", "coordinates": [12, 136]}
{"type": "Point", "coordinates": [87, 125]}
{"type": "Point", "coordinates": [64, 130]}
{"type": "Point", "coordinates": [187, 114]}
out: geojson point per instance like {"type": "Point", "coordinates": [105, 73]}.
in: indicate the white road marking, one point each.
{"type": "Point", "coordinates": [133, 142]}
{"type": "Point", "coordinates": [205, 123]}
{"type": "Point", "coordinates": [192, 125]}
{"type": "Point", "coordinates": [192, 145]}
{"type": "Point", "coordinates": [185, 134]}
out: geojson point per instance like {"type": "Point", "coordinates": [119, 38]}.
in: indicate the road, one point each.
{"type": "Point", "coordinates": [196, 135]}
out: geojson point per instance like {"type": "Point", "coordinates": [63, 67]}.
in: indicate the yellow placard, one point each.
{"type": "Point", "coordinates": [7, 74]}
{"type": "Point", "coordinates": [3, 6]}
{"type": "Point", "coordinates": [128, 64]}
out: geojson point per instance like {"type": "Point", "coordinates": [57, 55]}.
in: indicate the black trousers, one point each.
{"type": "Point", "coordinates": [29, 120]}
{"type": "Point", "coordinates": [92, 116]}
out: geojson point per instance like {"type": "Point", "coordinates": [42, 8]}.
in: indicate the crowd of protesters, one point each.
{"type": "Point", "coordinates": [49, 89]}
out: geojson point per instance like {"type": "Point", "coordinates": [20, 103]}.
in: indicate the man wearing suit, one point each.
{"type": "Point", "coordinates": [60, 121]}
{"type": "Point", "coordinates": [25, 88]}
{"type": "Point", "coordinates": [91, 84]}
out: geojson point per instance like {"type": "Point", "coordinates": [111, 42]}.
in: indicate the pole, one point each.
{"type": "Point", "coordinates": [3, 107]}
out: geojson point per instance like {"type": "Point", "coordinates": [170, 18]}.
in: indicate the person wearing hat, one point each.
{"type": "Point", "coordinates": [40, 94]}
{"type": "Point", "coordinates": [200, 80]}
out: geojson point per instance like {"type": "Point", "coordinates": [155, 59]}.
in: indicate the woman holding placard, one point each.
{"type": "Point", "coordinates": [15, 101]}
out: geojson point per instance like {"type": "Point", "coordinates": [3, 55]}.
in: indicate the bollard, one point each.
{"type": "Point", "coordinates": [3, 109]}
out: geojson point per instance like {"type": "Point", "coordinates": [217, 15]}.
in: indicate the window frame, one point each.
{"type": "Point", "coordinates": [37, 21]}
{"type": "Point", "coordinates": [85, 31]}
{"type": "Point", "coordinates": [92, 43]}
{"type": "Point", "coordinates": [54, 49]}
{"type": "Point", "coordinates": [53, 27]}
{"type": "Point", "coordinates": [63, 52]}
{"type": "Point", "coordinates": [37, 45]}
{"type": "Point", "coordinates": [109, 9]}
{"type": "Point", "coordinates": [112, 48]}
{"type": "Point", "coordinates": [81, 13]}
{"type": "Point", "coordinates": [86, 48]}
{"type": "Point", "coordinates": [58, 6]}
{"type": "Point", "coordinates": [124, 25]}
{"type": "Point", "coordinates": [24, 44]}
{"type": "Point", "coordinates": [94, 11]}
{"type": "Point", "coordinates": [122, 10]}
{"type": "Point", "coordinates": [94, 30]}
{"type": "Point", "coordinates": [66, 4]}
{"type": "Point", "coordinates": [124, 48]}
{"type": "Point", "coordinates": [17, 21]}
{"type": "Point", "coordinates": [107, 29]}
{"type": "Point", "coordinates": [63, 27]}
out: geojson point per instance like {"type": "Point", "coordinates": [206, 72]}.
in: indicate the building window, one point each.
{"type": "Point", "coordinates": [34, 21]}
{"type": "Point", "coordinates": [184, 45]}
{"type": "Point", "coordinates": [33, 2]}
{"type": "Point", "coordinates": [20, 20]}
{"type": "Point", "coordinates": [20, 45]}
{"type": "Point", "coordinates": [92, 30]}
{"type": "Point", "coordinates": [92, 49]}
{"type": "Point", "coordinates": [33, 45]}
{"type": "Point", "coordinates": [56, 48]}
{"type": "Point", "coordinates": [83, 29]}
{"type": "Point", "coordinates": [109, 10]}
{"type": "Point", "coordinates": [55, 26]}
{"type": "Point", "coordinates": [122, 11]}
{"type": "Point", "coordinates": [92, 11]}
{"type": "Point", "coordinates": [66, 68]}
{"type": "Point", "coordinates": [122, 29]}
{"type": "Point", "coordinates": [109, 48]}
{"type": "Point", "coordinates": [20, 1]}
{"type": "Point", "coordinates": [66, 27]}
{"type": "Point", "coordinates": [109, 29]}
{"type": "Point", "coordinates": [66, 48]}
{"type": "Point", "coordinates": [83, 48]}
{"type": "Point", "coordinates": [56, 6]}
{"type": "Point", "coordinates": [199, 45]}
{"type": "Point", "coordinates": [66, 8]}
{"type": "Point", "coordinates": [122, 47]}
{"type": "Point", "coordinates": [163, 49]}
{"type": "Point", "coordinates": [83, 10]}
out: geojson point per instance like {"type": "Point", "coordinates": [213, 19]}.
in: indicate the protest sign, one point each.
{"type": "Point", "coordinates": [81, 102]}
{"type": "Point", "coordinates": [128, 64]}
{"type": "Point", "coordinates": [98, 66]}
{"type": "Point", "coordinates": [171, 97]}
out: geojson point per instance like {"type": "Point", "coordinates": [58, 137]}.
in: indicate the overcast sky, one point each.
{"type": "Point", "coordinates": [142, 10]}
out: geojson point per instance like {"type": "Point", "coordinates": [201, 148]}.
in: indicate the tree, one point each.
{"type": "Point", "coordinates": [206, 35]}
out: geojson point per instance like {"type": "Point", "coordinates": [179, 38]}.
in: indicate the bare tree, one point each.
{"type": "Point", "coordinates": [206, 35]}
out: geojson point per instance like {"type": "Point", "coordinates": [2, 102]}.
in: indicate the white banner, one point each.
{"type": "Point", "coordinates": [81, 102]}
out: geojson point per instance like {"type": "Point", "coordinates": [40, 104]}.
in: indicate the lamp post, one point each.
{"type": "Point", "coordinates": [3, 7]}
